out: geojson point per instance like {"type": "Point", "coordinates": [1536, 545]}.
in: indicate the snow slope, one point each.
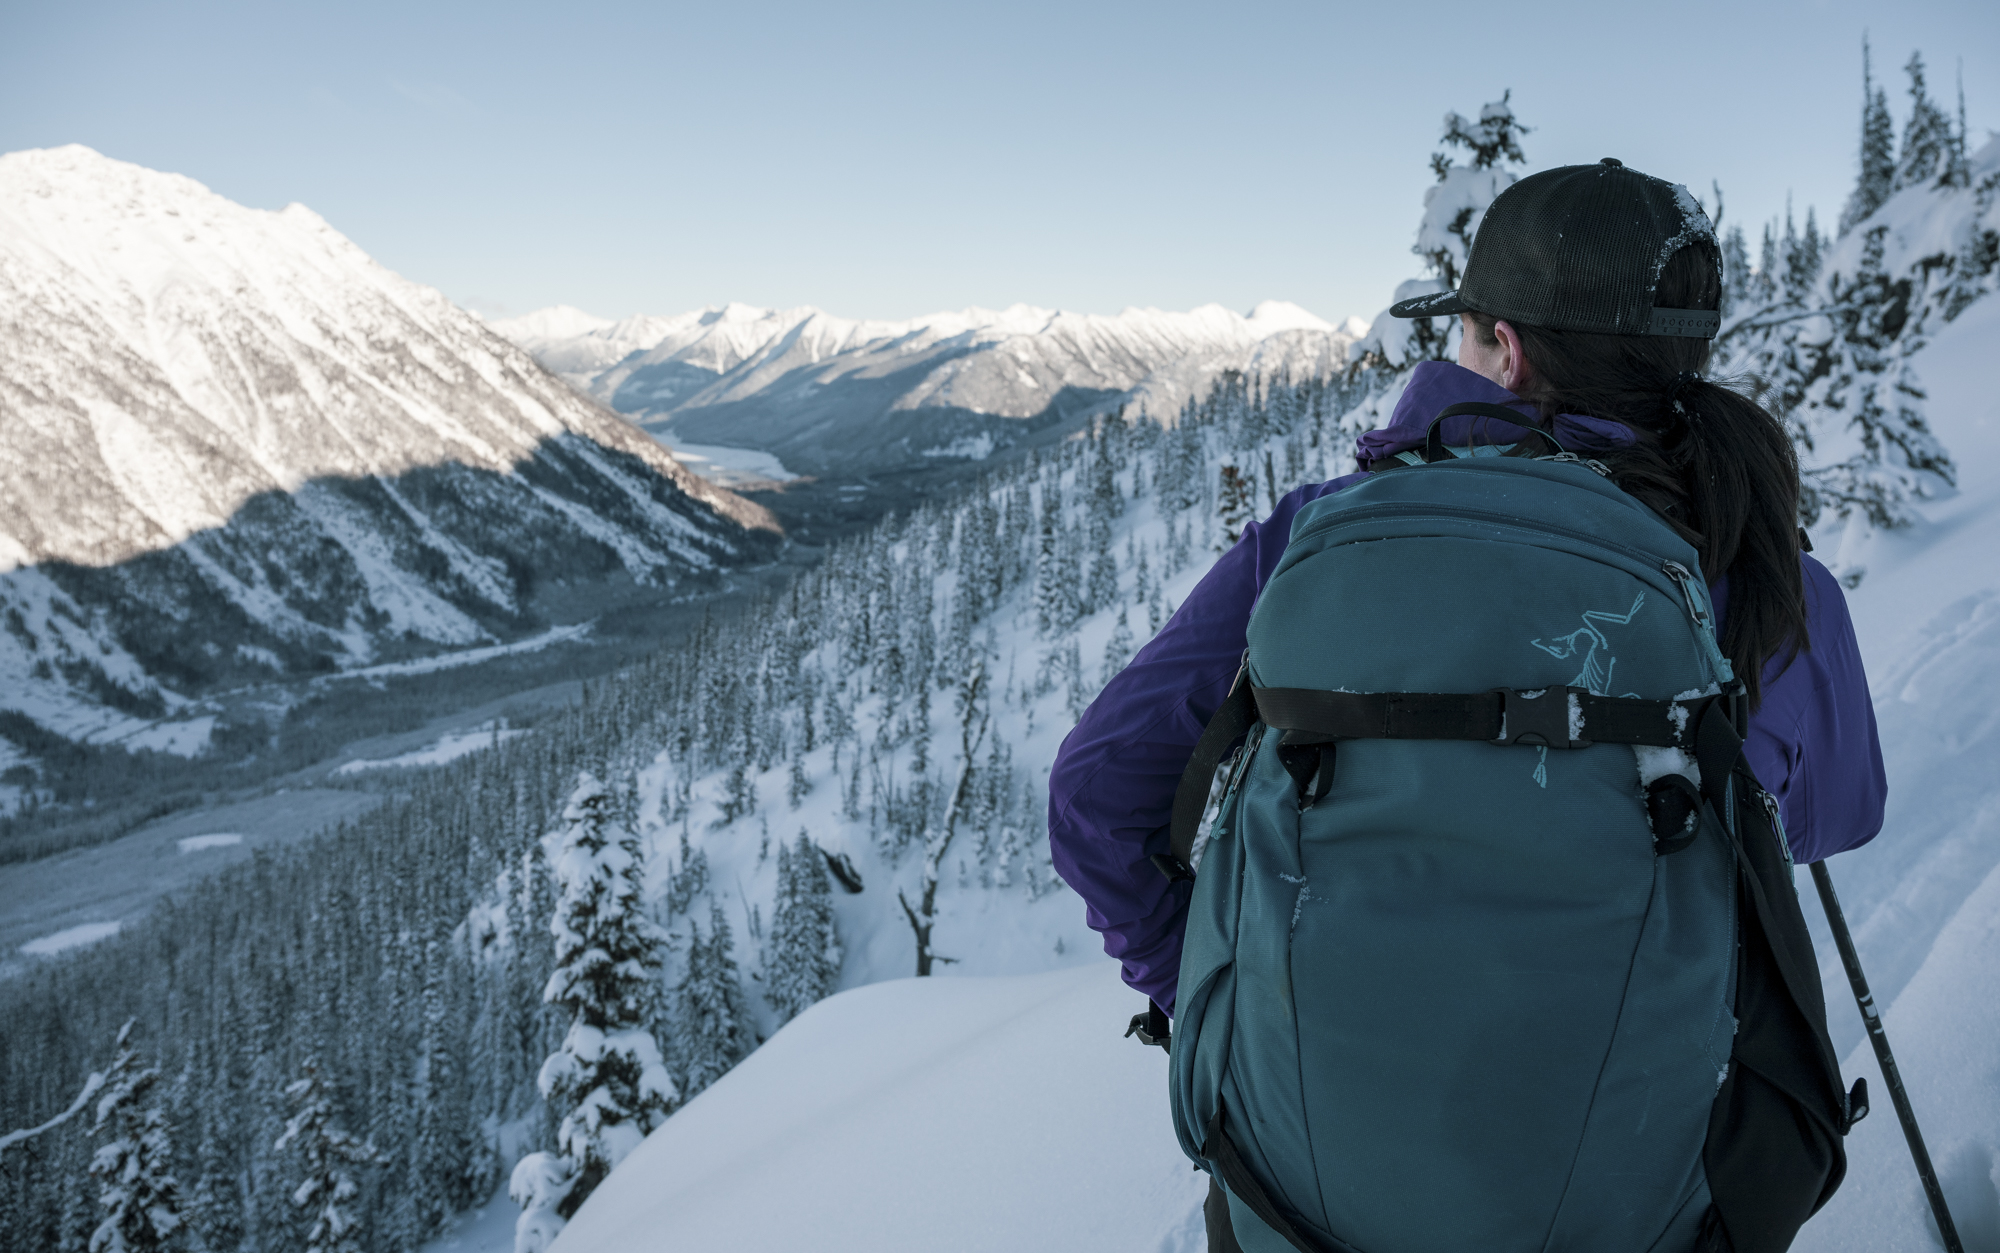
{"type": "Point", "coordinates": [1924, 898]}
{"type": "Point", "coordinates": [237, 447]}
{"type": "Point", "coordinates": [1001, 1114]}
{"type": "Point", "coordinates": [824, 392]}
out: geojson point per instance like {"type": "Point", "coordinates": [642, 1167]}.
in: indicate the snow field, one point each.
{"type": "Point", "coordinates": [727, 466]}
{"type": "Point", "coordinates": [70, 937]}
{"type": "Point", "coordinates": [962, 1114]}
{"type": "Point", "coordinates": [202, 843]}
{"type": "Point", "coordinates": [448, 748]}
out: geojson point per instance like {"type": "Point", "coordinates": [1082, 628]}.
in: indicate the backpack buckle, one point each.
{"type": "Point", "coordinates": [1550, 716]}
{"type": "Point", "coordinates": [1152, 1027]}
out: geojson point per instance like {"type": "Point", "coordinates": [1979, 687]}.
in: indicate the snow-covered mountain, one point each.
{"type": "Point", "coordinates": [827, 393]}
{"type": "Point", "coordinates": [237, 448]}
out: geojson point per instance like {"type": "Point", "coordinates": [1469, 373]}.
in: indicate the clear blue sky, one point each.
{"type": "Point", "coordinates": [887, 160]}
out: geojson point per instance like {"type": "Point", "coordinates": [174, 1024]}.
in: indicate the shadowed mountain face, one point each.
{"type": "Point", "coordinates": [236, 449]}
{"type": "Point", "coordinates": [835, 396]}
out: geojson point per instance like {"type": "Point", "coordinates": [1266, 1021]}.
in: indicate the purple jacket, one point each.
{"type": "Point", "coordinates": [1111, 790]}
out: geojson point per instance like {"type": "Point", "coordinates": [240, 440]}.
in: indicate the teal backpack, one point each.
{"type": "Point", "coordinates": [1493, 944]}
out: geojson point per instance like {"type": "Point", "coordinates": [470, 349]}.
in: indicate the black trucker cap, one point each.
{"type": "Point", "coordinates": [1581, 248]}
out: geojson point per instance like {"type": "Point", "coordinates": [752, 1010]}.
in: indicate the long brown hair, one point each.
{"type": "Point", "coordinates": [1715, 464]}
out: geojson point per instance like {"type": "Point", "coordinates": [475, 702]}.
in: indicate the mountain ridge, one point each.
{"type": "Point", "coordinates": [241, 449]}
{"type": "Point", "coordinates": [827, 393]}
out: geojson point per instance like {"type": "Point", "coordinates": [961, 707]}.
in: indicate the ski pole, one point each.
{"type": "Point", "coordinates": [1872, 1019]}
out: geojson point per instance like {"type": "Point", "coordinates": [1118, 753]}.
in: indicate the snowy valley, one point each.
{"type": "Point", "coordinates": [805, 803]}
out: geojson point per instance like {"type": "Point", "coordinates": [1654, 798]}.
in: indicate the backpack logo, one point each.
{"type": "Point", "coordinates": [1589, 643]}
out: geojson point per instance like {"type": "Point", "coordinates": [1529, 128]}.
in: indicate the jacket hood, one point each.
{"type": "Point", "coordinates": [1436, 385]}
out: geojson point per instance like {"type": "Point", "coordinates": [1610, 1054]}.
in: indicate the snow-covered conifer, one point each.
{"type": "Point", "coordinates": [607, 1076]}
{"type": "Point", "coordinates": [133, 1166]}
{"type": "Point", "coordinates": [1801, 258]}
{"type": "Point", "coordinates": [1927, 136]}
{"type": "Point", "coordinates": [1764, 283]}
{"type": "Point", "coordinates": [1057, 597]}
{"type": "Point", "coordinates": [331, 1156]}
{"type": "Point", "coordinates": [712, 1029]}
{"type": "Point", "coordinates": [802, 960]}
{"type": "Point", "coordinates": [1236, 506]}
{"type": "Point", "coordinates": [1118, 649]}
{"type": "Point", "coordinates": [1453, 209]}
{"type": "Point", "coordinates": [1878, 150]}
{"type": "Point", "coordinates": [1867, 444]}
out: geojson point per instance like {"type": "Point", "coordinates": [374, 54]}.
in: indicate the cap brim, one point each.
{"type": "Point", "coordinates": [1436, 305]}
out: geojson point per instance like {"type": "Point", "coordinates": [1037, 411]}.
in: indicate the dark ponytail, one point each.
{"type": "Point", "coordinates": [1715, 464]}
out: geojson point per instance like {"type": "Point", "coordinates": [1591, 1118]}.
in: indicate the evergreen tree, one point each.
{"type": "Point", "coordinates": [134, 1165]}
{"type": "Point", "coordinates": [1927, 137]}
{"type": "Point", "coordinates": [1801, 258]}
{"type": "Point", "coordinates": [1118, 649]}
{"type": "Point", "coordinates": [1236, 506]}
{"type": "Point", "coordinates": [1736, 276]}
{"type": "Point", "coordinates": [607, 1076]}
{"type": "Point", "coordinates": [1454, 207]}
{"type": "Point", "coordinates": [1057, 597]}
{"type": "Point", "coordinates": [1878, 151]}
{"type": "Point", "coordinates": [1958, 166]}
{"type": "Point", "coordinates": [802, 960]}
{"type": "Point", "coordinates": [1764, 283]}
{"type": "Point", "coordinates": [328, 1193]}
{"type": "Point", "coordinates": [712, 1030]}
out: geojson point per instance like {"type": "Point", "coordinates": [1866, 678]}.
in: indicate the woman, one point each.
{"type": "Point", "coordinates": [1587, 307]}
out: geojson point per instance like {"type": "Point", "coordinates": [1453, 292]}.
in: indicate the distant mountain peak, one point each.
{"type": "Point", "coordinates": [816, 389]}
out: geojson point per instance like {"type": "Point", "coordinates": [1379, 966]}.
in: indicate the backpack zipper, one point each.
{"type": "Point", "coordinates": [1702, 619]}
{"type": "Point", "coordinates": [1685, 577]}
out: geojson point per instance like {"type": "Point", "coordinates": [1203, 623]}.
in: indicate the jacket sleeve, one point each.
{"type": "Point", "coordinates": [1111, 790]}
{"type": "Point", "coordinates": [1813, 742]}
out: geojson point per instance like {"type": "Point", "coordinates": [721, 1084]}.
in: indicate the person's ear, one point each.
{"type": "Point", "coordinates": [1515, 371]}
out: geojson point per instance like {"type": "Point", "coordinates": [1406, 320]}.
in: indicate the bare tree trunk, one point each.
{"type": "Point", "coordinates": [922, 920]}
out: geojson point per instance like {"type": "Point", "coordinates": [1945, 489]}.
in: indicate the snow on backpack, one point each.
{"type": "Point", "coordinates": [1493, 943]}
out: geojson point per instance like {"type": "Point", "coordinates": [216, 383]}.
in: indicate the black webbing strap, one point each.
{"type": "Point", "coordinates": [1559, 717]}
{"type": "Point", "coordinates": [1434, 449]}
{"type": "Point", "coordinates": [1774, 1154]}
{"type": "Point", "coordinates": [1236, 1176]}
{"type": "Point", "coordinates": [1229, 724]}
{"type": "Point", "coordinates": [1555, 717]}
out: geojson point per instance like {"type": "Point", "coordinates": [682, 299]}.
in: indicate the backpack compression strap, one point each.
{"type": "Point", "coordinates": [1555, 717]}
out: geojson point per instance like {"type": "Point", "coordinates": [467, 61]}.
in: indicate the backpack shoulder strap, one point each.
{"type": "Point", "coordinates": [1230, 724]}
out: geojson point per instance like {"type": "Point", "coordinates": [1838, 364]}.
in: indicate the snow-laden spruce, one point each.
{"type": "Point", "coordinates": [134, 1165]}
{"type": "Point", "coordinates": [802, 958]}
{"type": "Point", "coordinates": [608, 1077]}
{"type": "Point", "coordinates": [332, 1156]}
{"type": "Point", "coordinates": [1831, 330]}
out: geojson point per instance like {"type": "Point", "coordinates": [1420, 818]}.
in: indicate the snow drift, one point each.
{"type": "Point", "coordinates": [1000, 1114]}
